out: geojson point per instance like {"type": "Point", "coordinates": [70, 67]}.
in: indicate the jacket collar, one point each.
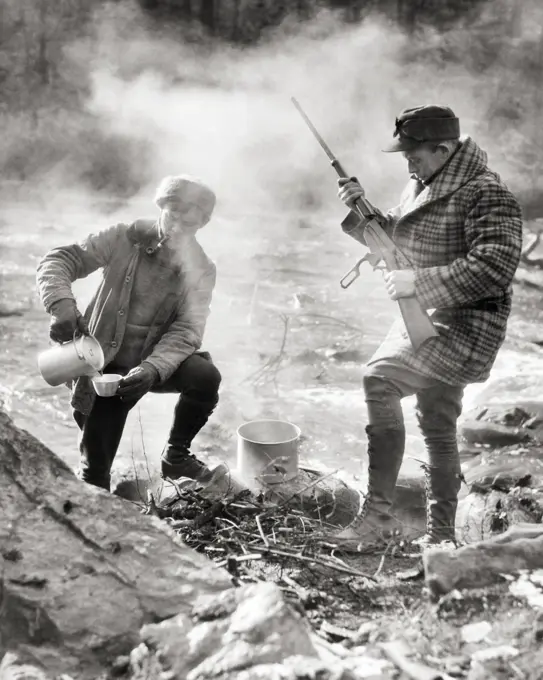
{"type": "Point", "coordinates": [144, 233]}
{"type": "Point", "coordinates": [467, 162]}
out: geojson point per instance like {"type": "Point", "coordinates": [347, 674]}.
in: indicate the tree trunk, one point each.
{"type": "Point", "coordinates": [207, 15]}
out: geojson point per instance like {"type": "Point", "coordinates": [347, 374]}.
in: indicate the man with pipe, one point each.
{"type": "Point", "coordinates": [461, 228]}
{"type": "Point", "coordinates": [149, 314]}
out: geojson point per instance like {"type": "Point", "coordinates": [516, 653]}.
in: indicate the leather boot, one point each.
{"type": "Point", "coordinates": [374, 523]}
{"type": "Point", "coordinates": [438, 410]}
{"type": "Point", "coordinates": [176, 463]}
{"type": "Point", "coordinates": [189, 418]}
{"type": "Point", "coordinates": [443, 481]}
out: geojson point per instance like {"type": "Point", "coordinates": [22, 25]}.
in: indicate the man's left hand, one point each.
{"type": "Point", "coordinates": [138, 382]}
{"type": "Point", "coordinates": [400, 283]}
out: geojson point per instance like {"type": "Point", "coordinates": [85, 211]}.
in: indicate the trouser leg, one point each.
{"type": "Point", "coordinates": [197, 381]}
{"type": "Point", "coordinates": [438, 409]}
{"type": "Point", "coordinates": [386, 441]}
{"type": "Point", "coordinates": [386, 383]}
{"type": "Point", "coordinates": [101, 432]}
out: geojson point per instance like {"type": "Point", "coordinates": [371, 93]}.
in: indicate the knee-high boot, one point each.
{"type": "Point", "coordinates": [437, 413]}
{"type": "Point", "coordinates": [374, 522]}
{"type": "Point", "coordinates": [443, 481]}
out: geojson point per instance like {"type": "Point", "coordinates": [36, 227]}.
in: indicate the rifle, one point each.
{"type": "Point", "coordinates": [417, 322]}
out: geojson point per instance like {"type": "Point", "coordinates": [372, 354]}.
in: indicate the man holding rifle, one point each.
{"type": "Point", "coordinates": [461, 229]}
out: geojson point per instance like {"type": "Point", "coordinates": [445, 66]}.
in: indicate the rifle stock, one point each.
{"type": "Point", "coordinates": [417, 322]}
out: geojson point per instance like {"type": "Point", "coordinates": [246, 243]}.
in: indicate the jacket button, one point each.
{"type": "Point", "coordinates": [121, 312]}
{"type": "Point", "coordinates": [127, 279]}
{"type": "Point", "coordinates": [114, 344]}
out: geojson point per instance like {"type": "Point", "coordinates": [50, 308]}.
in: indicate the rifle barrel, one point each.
{"type": "Point", "coordinates": [313, 129]}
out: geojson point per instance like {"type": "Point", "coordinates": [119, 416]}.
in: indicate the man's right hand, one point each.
{"type": "Point", "coordinates": [66, 320]}
{"type": "Point", "coordinates": [349, 191]}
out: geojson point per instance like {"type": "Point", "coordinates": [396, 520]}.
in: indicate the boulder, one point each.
{"type": "Point", "coordinates": [492, 434]}
{"type": "Point", "coordinates": [244, 627]}
{"type": "Point", "coordinates": [83, 570]}
{"type": "Point", "coordinates": [332, 501]}
{"type": "Point", "coordinates": [248, 633]}
{"type": "Point", "coordinates": [504, 489]}
{"type": "Point", "coordinates": [502, 423]}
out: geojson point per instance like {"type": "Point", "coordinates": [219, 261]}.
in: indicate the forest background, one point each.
{"type": "Point", "coordinates": [107, 95]}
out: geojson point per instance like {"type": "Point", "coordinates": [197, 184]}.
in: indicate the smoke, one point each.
{"type": "Point", "coordinates": [226, 114]}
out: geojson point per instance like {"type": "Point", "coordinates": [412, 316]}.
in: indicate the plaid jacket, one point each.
{"type": "Point", "coordinates": [179, 297]}
{"type": "Point", "coordinates": [463, 235]}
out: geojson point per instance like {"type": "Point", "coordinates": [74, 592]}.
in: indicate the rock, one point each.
{"type": "Point", "coordinates": [248, 633]}
{"type": "Point", "coordinates": [484, 563]}
{"type": "Point", "coordinates": [83, 570]}
{"type": "Point", "coordinates": [529, 587]}
{"type": "Point", "coordinates": [504, 470]}
{"type": "Point", "coordinates": [335, 503]}
{"type": "Point", "coordinates": [492, 434]}
{"type": "Point", "coordinates": [513, 417]}
{"type": "Point", "coordinates": [537, 631]}
{"type": "Point", "coordinates": [523, 414]}
{"type": "Point", "coordinates": [503, 490]}
{"type": "Point", "coordinates": [317, 495]}
{"type": "Point", "coordinates": [493, 669]}
{"type": "Point", "coordinates": [400, 654]}
{"type": "Point", "coordinates": [364, 631]}
{"type": "Point", "coordinates": [244, 628]}
{"type": "Point", "coordinates": [133, 484]}
{"type": "Point", "coordinates": [481, 516]}
{"type": "Point", "coordinates": [475, 632]}
{"type": "Point", "coordinates": [11, 669]}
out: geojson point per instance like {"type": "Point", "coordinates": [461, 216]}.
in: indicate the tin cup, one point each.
{"type": "Point", "coordinates": [106, 385]}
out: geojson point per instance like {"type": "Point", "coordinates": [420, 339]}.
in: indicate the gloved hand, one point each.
{"type": "Point", "coordinates": [66, 319]}
{"type": "Point", "coordinates": [138, 381]}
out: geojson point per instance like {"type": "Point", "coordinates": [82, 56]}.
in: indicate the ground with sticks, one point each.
{"type": "Point", "coordinates": [375, 599]}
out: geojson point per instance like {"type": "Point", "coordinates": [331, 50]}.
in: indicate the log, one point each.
{"type": "Point", "coordinates": [483, 564]}
{"type": "Point", "coordinates": [82, 569]}
{"type": "Point", "coordinates": [493, 434]}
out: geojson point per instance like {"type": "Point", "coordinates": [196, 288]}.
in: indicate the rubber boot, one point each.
{"type": "Point", "coordinates": [189, 418]}
{"type": "Point", "coordinates": [374, 523]}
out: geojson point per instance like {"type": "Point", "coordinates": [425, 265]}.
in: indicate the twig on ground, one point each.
{"type": "Point", "coordinates": [151, 508]}
{"type": "Point", "coordinates": [303, 490]}
{"type": "Point", "coordinates": [382, 560]}
{"type": "Point", "coordinates": [273, 363]}
{"type": "Point", "coordinates": [302, 592]}
{"type": "Point", "coordinates": [314, 560]}
{"type": "Point", "coordinates": [259, 525]}
{"type": "Point", "coordinates": [143, 445]}
{"type": "Point", "coordinates": [240, 558]}
{"type": "Point", "coordinates": [333, 319]}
